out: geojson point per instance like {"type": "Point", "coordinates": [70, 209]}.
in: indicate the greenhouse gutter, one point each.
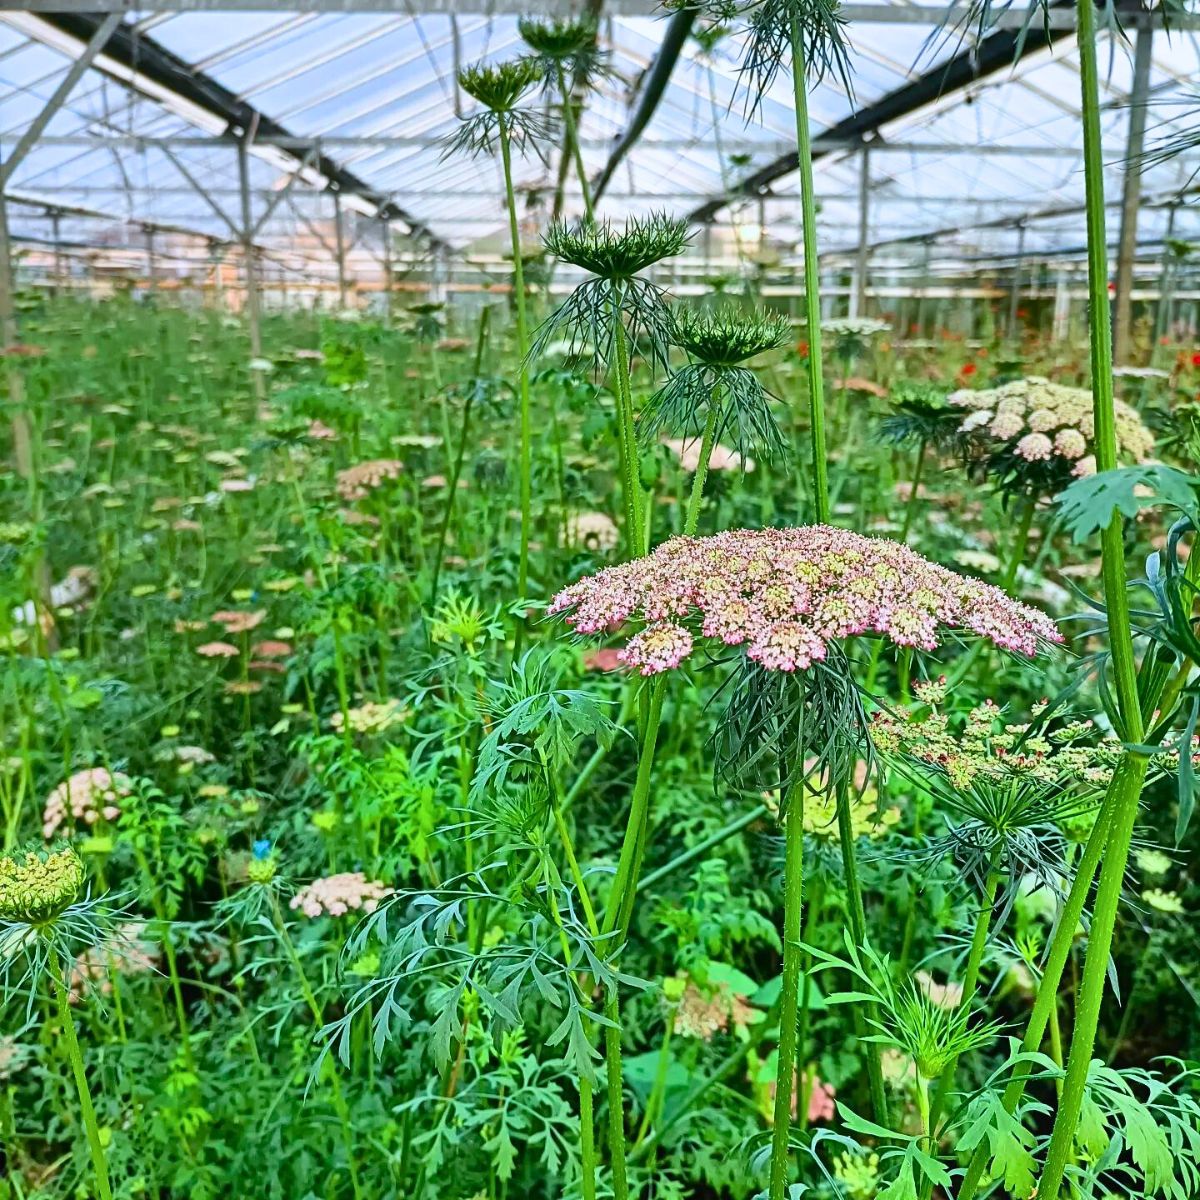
{"type": "Point", "coordinates": [996, 52]}
{"type": "Point", "coordinates": [143, 56]}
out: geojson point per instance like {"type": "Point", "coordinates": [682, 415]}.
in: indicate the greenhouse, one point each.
{"type": "Point", "coordinates": [596, 600]}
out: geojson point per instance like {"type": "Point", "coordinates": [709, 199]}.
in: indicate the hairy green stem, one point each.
{"type": "Point", "coordinates": [706, 445]}
{"type": "Point", "coordinates": [459, 457]}
{"type": "Point", "coordinates": [700, 849]}
{"type": "Point", "coordinates": [812, 279]}
{"type": "Point", "coordinates": [95, 1145]}
{"type": "Point", "coordinates": [523, 362]}
{"type": "Point", "coordinates": [793, 903]}
{"type": "Point", "coordinates": [858, 930]}
{"type": "Point", "coordinates": [1046, 1002]}
{"type": "Point", "coordinates": [576, 152]}
{"type": "Point", "coordinates": [632, 482]}
{"type": "Point", "coordinates": [1135, 766]}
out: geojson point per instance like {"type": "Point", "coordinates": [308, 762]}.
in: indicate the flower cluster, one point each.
{"type": "Point", "coordinates": [374, 716]}
{"type": "Point", "coordinates": [38, 886]}
{"type": "Point", "coordinates": [785, 594]}
{"type": "Point", "coordinates": [359, 481]}
{"type": "Point", "coordinates": [126, 951]}
{"type": "Point", "coordinates": [86, 797]}
{"type": "Point", "coordinates": [721, 458]}
{"type": "Point", "coordinates": [594, 531]}
{"type": "Point", "coordinates": [983, 745]}
{"type": "Point", "coordinates": [1040, 421]}
{"type": "Point", "coordinates": [340, 894]}
{"type": "Point", "coordinates": [703, 1012]}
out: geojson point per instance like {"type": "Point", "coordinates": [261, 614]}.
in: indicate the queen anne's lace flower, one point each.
{"type": "Point", "coordinates": [785, 594]}
{"type": "Point", "coordinates": [339, 894]}
{"type": "Point", "coordinates": [1048, 420]}
{"type": "Point", "coordinates": [126, 951]}
{"type": "Point", "coordinates": [86, 798]}
{"type": "Point", "coordinates": [359, 481]}
{"type": "Point", "coordinates": [595, 531]}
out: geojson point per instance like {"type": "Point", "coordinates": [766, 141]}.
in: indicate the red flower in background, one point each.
{"type": "Point", "coordinates": [1196, 360]}
{"type": "Point", "coordinates": [967, 370]}
{"type": "Point", "coordinates": [802, 349]}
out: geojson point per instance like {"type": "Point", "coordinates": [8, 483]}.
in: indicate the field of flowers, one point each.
{"type": "Point", "coordinates": [351, 830]}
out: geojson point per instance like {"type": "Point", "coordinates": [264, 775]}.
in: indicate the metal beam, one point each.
{"type": "Point", "coordinates": [1131, 192]}
{"type": "Point", "coordinates": [954, 17]}
{"type": "Point", "coordinates": [773, 146]}
{"type": "Point", "coordinates": [142, 57]}
{"type": "Point", "coordinates": [37, 126]}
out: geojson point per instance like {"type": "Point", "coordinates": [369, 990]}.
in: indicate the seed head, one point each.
{"type": "Point", "coordinates": [728, 337]}
{"type": "Point", "coordinates": [602, 250]}
{"type": "Point", "coordinates": [500, 86]}
{"type": "Point", "coordinates": [40, 885]}
{"type": "Point", "coordinates": [562, 42]}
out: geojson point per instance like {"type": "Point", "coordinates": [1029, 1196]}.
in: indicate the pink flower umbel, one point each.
{"type": "Point", "coordinates": [786, 594]}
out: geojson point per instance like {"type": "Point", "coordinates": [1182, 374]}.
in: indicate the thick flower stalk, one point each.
{"type": "Point", "coordinates": [609, 311]}
{"type": "Point", "coordinates": [570, 58]}
{"type": "Point", "coordinates": [503, 124]}
{"type": "Point", "coordinates": [789, 597]}
{"type": "Point", "coordinates": [716, 393]}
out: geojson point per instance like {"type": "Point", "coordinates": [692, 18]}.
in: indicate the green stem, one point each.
{"type": "Point", "coordinates": [460, 455]}
{"type": "Point", "coordinates": [812, 280]}
{"type": "Point", "coordinates": [1021, 542]}
{"type": "Point", "coordinates": [983, 922]}
{"type": "Point", "coordinates": [706, 445]}
{"type": "Point", "coordinates": [1046, 1002]}
{"type": "Point", "coordinates": [858, 930]}
{"type": "Point", "coordinates": [910, 509]}
{"type": "Point", "coordinates": [700, 849]}
{"type": "Point", "coordinates": [633, 849]}
{"type": "Point", "coordinates": [628, 435]}
{"type": "Point", "coordinates": [95, 1145]}
{"type": "Point", "coordinates": [785, 1077]}
{"type": "Point", "coordinates": [573, 140]}
{"type": "Point", "coordinates": [523, 367]}
{"type": "Point", "coordinates": [1112, 873]}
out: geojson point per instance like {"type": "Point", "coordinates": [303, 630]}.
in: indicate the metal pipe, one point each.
{"type": "Point", "coordinates": [339, 249]}
{"type": "Point", "coordinates": [250, 260]}
{"type": "Point", "coordinates": [858, 298]}
{"type": "Point", "coordinates": [1014, 291]}
{"type": "Point", "coordinates": [1131, 194]}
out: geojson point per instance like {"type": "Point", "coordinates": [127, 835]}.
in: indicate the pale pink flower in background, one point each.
{"type": "Point", "coordinates": [320, 432]}
{"type": "Point", "coordinates": [239, 622]}
{"type": "Point", "coordinates": [1034, 447]}
{"type": "Point", "coordinates": [1070, 443]}
{"type": "Point", "coordinates": [233, 486]}
{"type": "Point", "coordinates": [1085, 466]}
{"type": "Point", "coordinates": [944, 995]}
{"type": "Point", "coordinates": [271, 649]}
{"type": "Point", "coordinates": [1005, 426]}
{"type": "Point", "coordinates": [126, 951]}
{"type": "Point", "coordinates": [359, 481]}
{"type": "Point", "coordinates": [721, 458]}
{"type": "Point", "coordinates": [786, 594]}
{"type": "Point", "coordinates": [217, 650]}
{"type": "Point", "coordinates": [337, 895]}
{"type": "Point", "coordinates": [87, 797]}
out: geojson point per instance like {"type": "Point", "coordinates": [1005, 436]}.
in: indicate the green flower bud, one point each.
{"type": "Point", "coordinates": [39, 886]}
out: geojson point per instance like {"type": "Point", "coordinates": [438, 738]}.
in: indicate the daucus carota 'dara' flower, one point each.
{"type": "Point", "coordinates": [39, 885]}
{"type": "Point", "coordinates": [786, 594]}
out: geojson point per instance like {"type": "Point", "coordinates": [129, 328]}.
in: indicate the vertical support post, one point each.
{"type": "Point", "coordinates": [1014, 290]}
{"type": "Point", "coordinates": [1061, 328]}
{"type": "Point", "coordinates": [339, 249]}
{"type": "Point", "coordinates": [388, 280]}
{"type": "Point", "coordinates": [250, 261]}
{"type": "Point", "coordinates": [858, 297]}
{"type": "Point", "coordinates": [56, 234]}
{"type": "Point", "coordinates": [151, 265]}
{"type": "Point", "coordinates": [926, 254]}
{"type": "Point", "coordinates": [1166, 280]}
{"type": "Point", "coordinates": [1131, 193]}
{"type": "Point", "coordinates": [21, 433]}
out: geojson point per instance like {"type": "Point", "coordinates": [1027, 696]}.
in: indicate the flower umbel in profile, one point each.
{"type": "Point", "coordinates": [716, 382]}
{"type": "Point", "coordinates": [790, 598]}
{"type": "Point", "coordinates": [499, 88]}
{"type": "Point", "coordinates": [615, 259]}
{"type": "Point", "coordinates": [569, 46]}
{"type": "Point", "coordinates": [787, 595]}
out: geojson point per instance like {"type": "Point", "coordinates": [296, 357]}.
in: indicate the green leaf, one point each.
{"type": "Point", "coordinates": [85, 698]}
{"type": "Point", "coordinates": [1090, 503]}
